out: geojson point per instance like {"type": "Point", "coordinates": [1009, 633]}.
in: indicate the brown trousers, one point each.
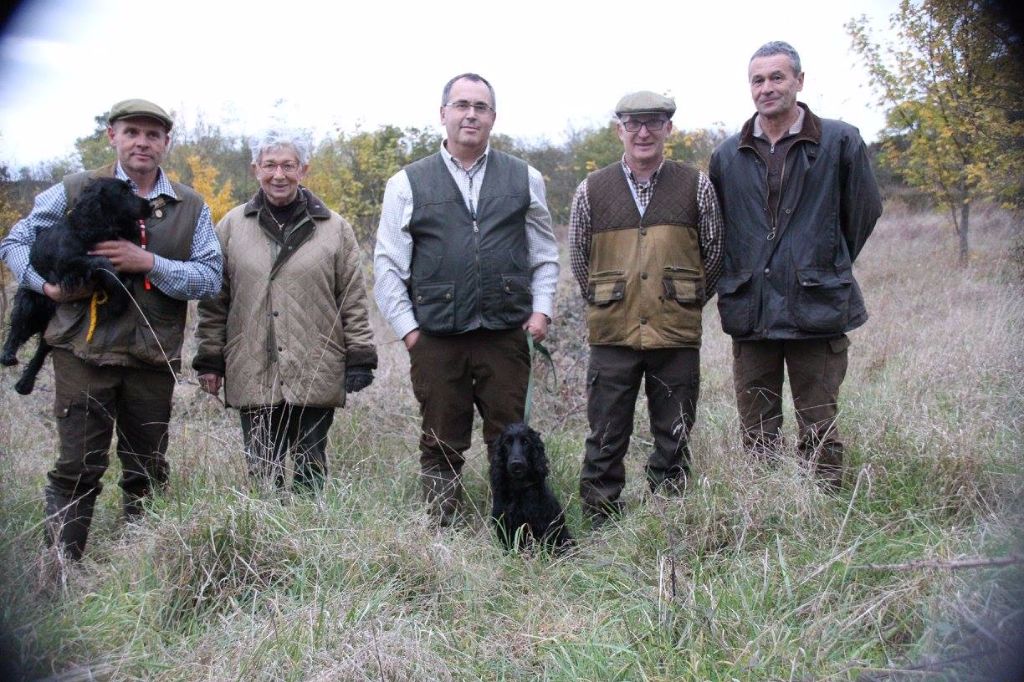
{"type": "Point", "coordinates": [671, 379]}
{"type": "Point", "coordinates": [92, 403]}
{"type": "Point", "coordinates": [450, 375]}
{"type": "Point", "coordinates": [816, 369]}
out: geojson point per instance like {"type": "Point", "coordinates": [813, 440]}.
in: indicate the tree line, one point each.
{"type": "Point", "coordinates": [952, 85]}
{"type": "Point", "coordinates": [349, 170]}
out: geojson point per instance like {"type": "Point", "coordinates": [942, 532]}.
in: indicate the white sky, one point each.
{"type": "Point", "coordinates": [555, 64]}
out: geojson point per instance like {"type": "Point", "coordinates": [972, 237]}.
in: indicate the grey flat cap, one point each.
{"type": "Point", "coordinates": [131, 108]}
{"type": "Point", "coordinates": [645, 102]}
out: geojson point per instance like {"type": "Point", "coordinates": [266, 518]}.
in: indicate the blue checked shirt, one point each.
{"type": "Point", "coordinates": [198, 277]}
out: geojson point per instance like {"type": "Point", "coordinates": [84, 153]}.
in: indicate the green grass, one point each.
{"type": "Point", "coordinates": [753, 574]}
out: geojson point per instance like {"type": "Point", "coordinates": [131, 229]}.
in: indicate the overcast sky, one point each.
{"type": "Point", "coordinates": [555, 64]}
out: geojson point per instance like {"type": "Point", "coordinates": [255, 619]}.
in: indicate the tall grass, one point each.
{"type": "Point", "coordinates": [753, 574]}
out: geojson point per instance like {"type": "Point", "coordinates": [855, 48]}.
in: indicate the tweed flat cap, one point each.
{"type": "Point", "coordinates": [645, 102]}
{"type": "Point", "coordinates": [130, 108]}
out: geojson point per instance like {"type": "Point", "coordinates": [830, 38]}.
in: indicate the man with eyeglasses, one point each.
{"type": "Point", "coordinates": [645, 249]}
{"type": "Point", "coordinates": [799, 200]}
{"type": "Point", "coordinates": [120, 374]}
{"type": "Point", "coordinates": [465, 261]}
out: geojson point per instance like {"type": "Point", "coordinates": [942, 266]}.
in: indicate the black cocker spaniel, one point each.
{"type": "Point", "coordinates": [107, 210]}
{"type": "Point", "coordinates": [524, 509]}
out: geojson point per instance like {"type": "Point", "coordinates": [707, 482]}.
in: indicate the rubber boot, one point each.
{"type": "Point", "coordinates": [442, 491]}
{"type": "Point", "coordinates": [132, 505]}
{"type": "Point", "coordinates": [67, 521]}
{"type": "Point", "coordinates": [829, 467]}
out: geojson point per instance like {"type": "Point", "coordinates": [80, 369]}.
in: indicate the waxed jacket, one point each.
{"type": "Point", "coordinates": [290, 316]}
{"type": "Point", "coordinates": [797, 281]}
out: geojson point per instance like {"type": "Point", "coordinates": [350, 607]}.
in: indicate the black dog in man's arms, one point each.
{"type": "Point", "coordinates": [107, 210]}
{"type": "Point", "coordinates": [524, 508]}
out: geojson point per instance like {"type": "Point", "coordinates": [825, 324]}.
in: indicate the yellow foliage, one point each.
{"type": "Point", "coordinates": [204, 178]}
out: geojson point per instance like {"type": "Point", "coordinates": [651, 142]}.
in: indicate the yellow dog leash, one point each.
{"type": "Point", "coordinates": [94, 305]}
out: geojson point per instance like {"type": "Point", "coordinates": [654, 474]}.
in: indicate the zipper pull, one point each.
{"type": "Point", "coordinates": [475, 227]}
{"type": "Point", "coordinates": [771, 235]}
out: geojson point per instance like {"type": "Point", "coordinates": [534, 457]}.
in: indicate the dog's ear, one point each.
{"type": "Point", "coordinates": [536, 446]}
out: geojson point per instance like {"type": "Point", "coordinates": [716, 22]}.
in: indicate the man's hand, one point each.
{"type": "Point", "coordinates": [537, 325]}
{"type": "Point", "coordinates": [55, 293]}
{"type": "Point", "coordinates": [411, 338]}
{"type": "Point", "coordinates": [210, 382]}
{"type": "Point", "coordinates": [126, 256]}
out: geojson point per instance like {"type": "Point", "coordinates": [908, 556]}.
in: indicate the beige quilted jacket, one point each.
{"type": "Point", "coordinates": [291, 313]}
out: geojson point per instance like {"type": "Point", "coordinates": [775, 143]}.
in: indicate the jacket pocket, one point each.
{"type": "Point", "coordinates": [434, 305]}
{"type": "Point", "coordinates": [736, 303]}
{"type": "Point", "coordinates": [606, 312]}
{"type": "Point", "coordinates": [682, 300]}
{"type": "Point", "coordinates": [516, 302]}
{"type": "Point", "coordinates": [822, 303]}
{"type": "Point", "coordinates": [683, 285]}
{"type": "Point", "coordinates": [605, 288]}
{"type": "Point", "coordinates": [67, 321]}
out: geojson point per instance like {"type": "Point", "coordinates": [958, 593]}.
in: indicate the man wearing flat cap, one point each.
{"type": "Point", "coordinates": [645, 248]}
{"type": "Point", "coordinates": [119, 375]}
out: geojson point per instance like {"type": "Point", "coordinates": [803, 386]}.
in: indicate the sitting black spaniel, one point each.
{"type": "Point", "coordinates": [524, 509]}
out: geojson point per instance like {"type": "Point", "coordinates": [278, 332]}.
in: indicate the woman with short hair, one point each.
{"type": "Point", "coordinates": [289, 335]}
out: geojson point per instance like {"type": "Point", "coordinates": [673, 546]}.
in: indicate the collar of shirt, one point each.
{"type": "Point", "coordinates": [468, 181]}
{"type": "Point", "coordinates": [794, 129]}
{"type": "Point", "coordinates": [642, 192]}
{"type": "Point", "coordinates": [162, 185]}
{"type": "Point", "coordinates": [474, 169]}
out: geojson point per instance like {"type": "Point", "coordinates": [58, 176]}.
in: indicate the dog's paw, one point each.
{"type": "Point", "coordinates": [25, 385]}
{"type": "Point", "coordinates": [8, 359]}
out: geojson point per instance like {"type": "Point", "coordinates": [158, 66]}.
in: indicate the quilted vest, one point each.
{"type": "Point", "coordinates": [646, 286]}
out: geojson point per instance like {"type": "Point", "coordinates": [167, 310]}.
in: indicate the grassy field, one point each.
{"type": "Point", "coordinates": [754, 574]}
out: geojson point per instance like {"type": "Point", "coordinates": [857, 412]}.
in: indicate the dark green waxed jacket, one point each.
{"type": "Point", "coordinates": [798, 282]}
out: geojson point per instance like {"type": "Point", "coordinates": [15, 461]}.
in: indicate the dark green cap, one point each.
{"type": "Point", "coordinates": [645, 102]}
{"type": "Point", "coordinates": [131, 108]}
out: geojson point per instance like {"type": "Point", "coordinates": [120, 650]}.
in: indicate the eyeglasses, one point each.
{"type": "Point", "coordinates": [462, 106]}
{"type": "Point", "coordinates": [633, 125]}
{"type": "Point", "coordinates": [288, 167]}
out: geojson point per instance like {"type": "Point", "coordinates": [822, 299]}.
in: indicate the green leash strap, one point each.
{"type": "Point", "coordinates": [536, 348]}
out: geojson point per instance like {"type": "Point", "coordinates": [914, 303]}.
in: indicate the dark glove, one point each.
{"type": "Point", "coordinates": [357, 378]}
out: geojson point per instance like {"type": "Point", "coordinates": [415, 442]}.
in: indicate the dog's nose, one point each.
{"type": "Point", "coordinates": [517, 467]}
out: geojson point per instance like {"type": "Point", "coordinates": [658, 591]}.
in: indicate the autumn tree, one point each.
{"type": "Point", "coordinates": [952, 85]}
{"type": "Point", "coordinates": [694, 146]}
{"type": "Point", "coordinates": [94, 150]}
{"type": "Point", "coordinates": [9, 212]}
{"type": "Point", "coordinates": [349, 172]}
{"type": "Point", "coordinates": [228, 154]}
{"type": "Point", "coordinates": [202, 177]}
{"type": "Point", "coordinates": [331, 178]}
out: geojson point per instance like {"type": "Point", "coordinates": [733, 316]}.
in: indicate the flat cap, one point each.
{"type": "Point", "coordinates": [130, 108]}
{"type": "Point", "coordinates": [645, 102]}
